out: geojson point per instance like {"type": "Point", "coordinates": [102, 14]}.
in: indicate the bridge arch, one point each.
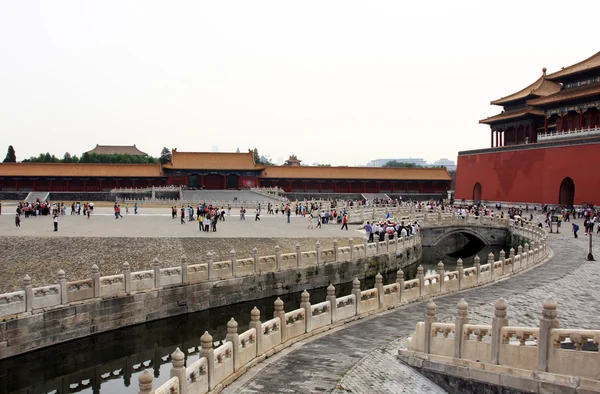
{"type": "Point", "coordinates": [477, 192]}
{"type": "Point", "coordinates": [566, 193]}
{"type": "Point", "coordinates": [464, 230]}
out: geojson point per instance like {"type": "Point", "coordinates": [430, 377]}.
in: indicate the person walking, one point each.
{"type": "Point", "coordinates": [345, 222]}
{"type": "Point", "coordinates": [257, 217]}
{"type": "Point", "coordinates": [17, 220]}
{"type": "Point", "coordinates": [575, 229]}
{"type": "Point", "coordinates": [55, 222]}
{"type": "Point", "coordinates": [135, 207]}
{"type": "Point", "coordinates": [182, 215]}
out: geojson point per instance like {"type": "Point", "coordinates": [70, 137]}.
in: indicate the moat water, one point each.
{"type": "Point", "coordinates": [112, 362]}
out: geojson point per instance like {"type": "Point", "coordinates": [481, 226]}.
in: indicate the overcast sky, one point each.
{"type": "Point", "coordinates": [333, 82]}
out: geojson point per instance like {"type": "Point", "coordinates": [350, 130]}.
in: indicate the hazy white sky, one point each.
{"type": "Point", "coordinates": [338, 82]}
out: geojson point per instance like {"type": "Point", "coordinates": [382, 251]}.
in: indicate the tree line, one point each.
{"type": "Point", "coordinates": [118, 158]}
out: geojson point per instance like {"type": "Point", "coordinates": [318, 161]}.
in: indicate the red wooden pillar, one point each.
{"type": "Point", "coordinates": [224, 182]}
{"type": "Point", "coordinates": [33, 185]}
{"type": "Point", "coordinates": [492, 138]}
{"type": "Point", "coordinates": [51, 184]}
{"type": "Point", "coordinates": [581, 120]}
{"type": "Point", "coordinates": [239, 181]}
{"type": "Point", "coordinates": [497, 138]}
{"type": "Point", "coordinates": [545, 124]}
{"type": "Point", "coordinates": [187, 180]}
{"type": "Point", "coordinates": [100, 182]}
{"type": "Point", "coordinates": [290, 186]}
{"type": "Point", "coordinates": [201, 181]}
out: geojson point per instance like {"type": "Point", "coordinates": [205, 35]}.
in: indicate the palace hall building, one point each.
{"type": "Point", "coordinates": [222, 171]}
{"type": "Point", "coordinates": [543, 144]}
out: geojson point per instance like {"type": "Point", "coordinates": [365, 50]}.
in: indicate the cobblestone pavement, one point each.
{"type": "Point", "coordinates": [361, 356]}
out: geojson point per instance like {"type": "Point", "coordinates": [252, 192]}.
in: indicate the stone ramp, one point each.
{"type": "Point", "coordinates": [211, 196]}
{"type": "Point", "coordinates": [35, 196]}
{"type": "Point", "coordinates": [372, 196]}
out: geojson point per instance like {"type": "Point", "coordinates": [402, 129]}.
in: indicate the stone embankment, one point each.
{"type": "Point", "coordinates": [35, 317]}
{"type": "Point", "coordinates": [42, 257]}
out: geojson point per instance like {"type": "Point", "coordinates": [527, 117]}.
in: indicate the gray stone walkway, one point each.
{"type": "Point", "coordinates": [361, 357]}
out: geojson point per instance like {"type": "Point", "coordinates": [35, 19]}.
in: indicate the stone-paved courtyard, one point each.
{"type": "Point", "coordinates": [35, 249]}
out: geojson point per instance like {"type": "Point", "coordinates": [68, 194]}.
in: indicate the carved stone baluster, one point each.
{"type": "Point", "coordinates": [462, 318]}
{"type": "Point", "coordinates": [498, 321]}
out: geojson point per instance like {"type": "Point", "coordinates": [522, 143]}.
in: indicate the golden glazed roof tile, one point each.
{"type": "Point", "coordinates": [513, 114]}
{"type": "Point", "coordinates": [588, 64]}
{"type": "Point", "coordinates": [212, 161]}
{"type": "Point", "coordinates": [80, 170]}
{"type": "Point", "coordinates": [582, 92]}
{"type": "Point", "coordinates": [541, 87]}
{"type": "Point", "coordinates": [117, 149]}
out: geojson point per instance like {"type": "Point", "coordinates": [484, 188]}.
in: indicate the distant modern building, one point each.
{"type": "Point", "coordinates": [117, 149]}
{"type": "Point", "coordinates": [449, 164]}
{"type": "Point", "coordinates": [382, 162]}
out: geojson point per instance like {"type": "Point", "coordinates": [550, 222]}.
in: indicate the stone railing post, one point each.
{"type": "Point", "coordinates": [96, 280]}
{"type": "Point", "coordinates": [256, 262]}
{"type": "Point", "coordinates": [233, 258]}
{"type": "Point", "coordinates": [477, 265]}
{"type": "Point", "coordinates": [430, 318]}
{"type": "Point", "coordinates": [442, 273]}
{"type": "Point", "coordinates": [520, 254]}
{"type": "Point", "coordinates": [178, 369]}
{"type": "Point", "coordinates": [335, 250]}
{"type": "Point", "coordinates": [233, 337]}
{"type": "Point", "coordinates": [502, 258]}
{"type": "Point", "coordinates": [396, 236]}
{"type": "Point", "coordinates": [400, 281]}
{"type": "Point", "coordinates": [28, 293]}
{"type": "Point", "coordinates": [156, 271]}
{"type": "Point", "coordinates": [403, 243]}
{"type": "Point", "coordinates": [526, 251]}
{"type": "Point", "coordinates": [351, 245]}
{"type": "Point", "coordinates": [280, 313]}
{"type": "Point", "coordinates": [461, 272]}
{"type": "Point", "coordinates": [498, 321]}
{"type": "Point", "coordinates": [511, 256]}
{"type": "Point", "coordinates": [377, 246]}
{"type": "Point", "coordinates": [305, 304]}
{"type": "Point", "coordinates": [366, 246]}
{"type": "Point", "coordinates": [356, 292]}
{"type": "Point", "coordinates": [547, 323]}
{"type": "Point", "coordinates": [206, 341]}
{"type": "Point", "coordinates": [421, 278]}
{"type": "Point", "coordinates": [277, 257]}
{"type": "Point", "coordinates": [298, 255]}
{"type": "Point", "coordinates": [209, 265]}
{"type": "Point", "coordinates": [462, 318]}
{"type": "Point", "coordinates": [379, 287]}
{"type": "Point", "coordinates": [386, 238]}
{"type": "Point", "coordinates": [491, 263]}
{"type": "Point", "coordinates": [146, 381]}
{"type": "Point", "coordinates": [62, 282]}
{"type": "Point", "coordinates": [127, 277]}
{"type": "Point", "coordinates": [184, 268]}
{"type": "Point", "coordinates": [318, 250]}
{"type": "Point", "coordinates": [332, 302]}
{"type": "Point", "coordinates": [257, 325]}
{"type": "Point", "coordinates": [534, 255]}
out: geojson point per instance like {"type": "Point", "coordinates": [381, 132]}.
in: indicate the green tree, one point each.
{"type": "Point", "coordinates": [165, 156]}
{"type": "Point", "coordinates": [399, 164]}
{"type": "Point", "coordinates": [256, 156]}
{"type": "Point", "coordinates": [11, 157]}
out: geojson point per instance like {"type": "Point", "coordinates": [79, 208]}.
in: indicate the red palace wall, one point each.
{"type": "Point", "coordinates": [530, 175]}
